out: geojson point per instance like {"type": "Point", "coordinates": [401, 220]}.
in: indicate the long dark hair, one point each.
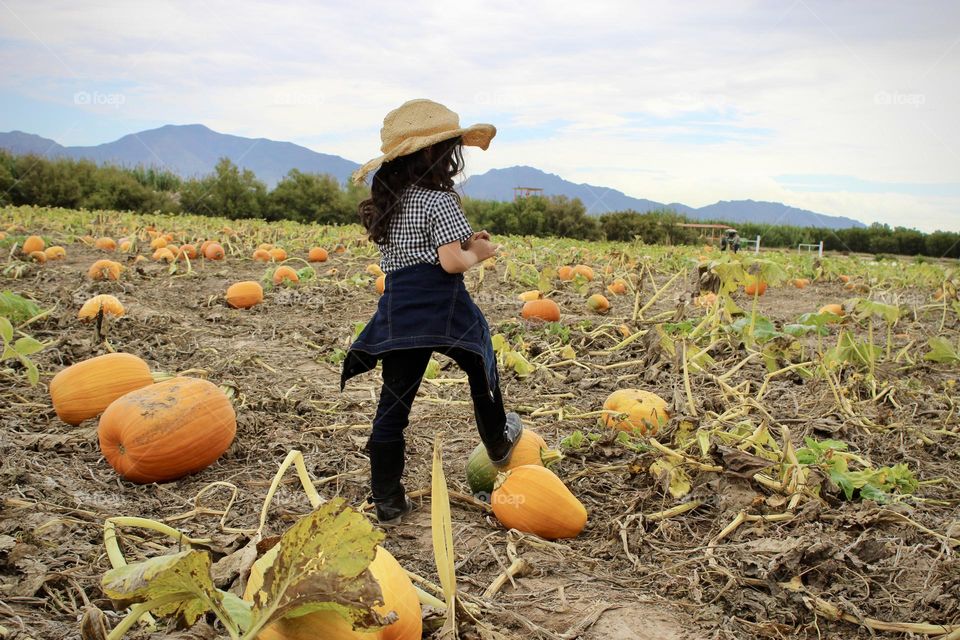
{"type": "Point", "coordinates": [432, 167]}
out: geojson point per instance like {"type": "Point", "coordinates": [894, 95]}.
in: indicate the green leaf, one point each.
{"type": "Point", "coordinates": [941, 350]}
{"type": "Point", "coordinates": [182, 580]}
{"type": "Point", "coordinates": [518, 363]}
{"type": "Point", "coordinates": [240, 611]}
{"type": "Point", "coordinates": [6, 329]}
{"type": "Point", "coordinates": [33, 374]}
{"type": "Point", "coordinates": [672, 475]}
{"type": "Point", "coordinates": [27, 346]}
{"type": "Point", "coordinates": [321, 565]}
{"type": "Point", "coordinates": [499, 343]}
{"type": "Point", "coordinates": [433, 369]}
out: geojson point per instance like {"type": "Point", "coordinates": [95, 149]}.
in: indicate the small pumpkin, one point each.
{"type": "Point", "coordinates": [317, 254]}
{"type": "Point", "coordinates": [83, 390]}
{"type": "Point", "coordinates": [103, 302]}
{"type": "Point", "coordinates": [801, 283]}
{"type": "Point", "coordinates": [167, 430]}
{"type": "Point", "coordinates": [31, 244]}
{"type": "Point", "coordinates": [126, 246]}
{"type": "Point", "coordinates": [381, 284]}
{"type": "Point", "coordinates": [158, 243]}
{"type": "Point", "coordinates": [374, 270]}
{"type": "Point", "coordinates": [38, 256]}
{"type": "Point", "coordinates": [598, 303]}
{"type": "Point", "coordinates": [835, 309]}
{"type": "Point", "coordinates": [214, 251]}
{"type": "Point", "coordinates": [261, 255]}
{"type": "Point", "coordinates": [844, 279]}
{"type": "Point", "coordinates": [532, 499]}
{"type": "Point", "coordinates": [755, 288]}
{"type": "Point", "coordinates": [644, 410]}
{"type": "Point", "coordinates": [618, 287]}
{"type": "Point", "coordinates": [243, 295]}
{"type": "Point", "coordinates": [264, 246]}
{"type": "Point", "coordinates": [163, 254]}
{"type": "Point", "coordinates": [527, 296]}
{"type": "Point", "coordinates": [105, 244]}
{"type": "Point", "coordinates": [55, 252]}
{"type": "Point", "coordinates": [104, 270]}
{"type": "Point", "coordinates": [285, 274]}
{"type": "Point", "coordinates": [705, 300]}
{"type": "Point", "coordinates": [583, 270]}
{"type": "Point", "coordinates": [189, 251]}
{"type": "Point", "coordinates": [531, 449]}
{"type": "Point", "coordinates": [398, 594]}
{"type": "Point", "coordinates": [278, 254]}
{"type": "Point", "coordinates": [565, 273]}
{"type": "Point", "coordinates": [544, 309]}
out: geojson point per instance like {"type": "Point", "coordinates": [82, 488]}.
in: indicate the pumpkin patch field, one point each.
{"type": "Point", "coordinates": [711, 450]}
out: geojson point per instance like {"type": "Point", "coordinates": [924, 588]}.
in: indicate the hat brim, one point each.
{"type": "Point", "coordinates": [478, 135]}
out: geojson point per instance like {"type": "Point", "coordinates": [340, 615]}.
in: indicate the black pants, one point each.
{"type": "Point", "coordinates": [402, 372]}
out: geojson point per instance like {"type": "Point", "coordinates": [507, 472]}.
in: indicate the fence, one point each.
{"type": "Point", "coordinates": [752, 243]}
{"type": "Point", "coordinates": [811, 247]}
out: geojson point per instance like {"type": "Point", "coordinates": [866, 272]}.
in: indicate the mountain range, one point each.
{"type": "Point", "coordinates": [193, 150]}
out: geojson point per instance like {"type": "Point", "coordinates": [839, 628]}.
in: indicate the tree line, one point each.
{"type": "Point", "coordinates": [233, 192]}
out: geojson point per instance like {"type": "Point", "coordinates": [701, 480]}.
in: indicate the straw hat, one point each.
{"type": "Point", "coordinates": [417, 124]}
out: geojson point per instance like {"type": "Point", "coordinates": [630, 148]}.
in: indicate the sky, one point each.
{"type": "Point", "coordinates": [840, 107]}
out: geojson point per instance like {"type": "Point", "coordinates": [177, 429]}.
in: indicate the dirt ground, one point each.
{"type": "Point", "coordinates": [625, 576]}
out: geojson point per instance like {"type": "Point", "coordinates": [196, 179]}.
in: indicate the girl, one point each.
{"type": "Point", "coordinates": [414, 217]}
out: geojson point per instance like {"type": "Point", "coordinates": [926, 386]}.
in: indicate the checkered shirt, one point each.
{"type": "Point", "coordinates": [427, 219]}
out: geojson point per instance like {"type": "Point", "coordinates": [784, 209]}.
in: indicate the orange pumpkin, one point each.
{"type": "Point", "coordinates": [801, 283]}
{"type": "Point", "coordinates": [381, 284]}
{"type": "Point", "coordinates": [317, 254]}
{"type": "Point", "coordinates": [158, 243]}
{"type": "Point", "coordinates": [644, 410]}
{"type": "Point", "coordinates": [163, 254]}
{"type": "Point", "coordinates": [31, 244]}
{"type": "Point", "coordinates": [532, 499]}
{"type": "Point", "coordinates": [531, 449]}
{"type": "Point", "coordinates": [755, 287]}
{"type": "Point", "coordinates": [618, 287]}
{"type": "Point", "coordinates": [261, 255]}
{"type": "Point", "coordinates": [105, 244]}
{"type": "Point", "coordinates": [104, 270]}
{"type": "Point", "coordinates": [189, 251]}
{"type": "Point", "coordinates": [85, 389]}
{"type": "Point", "coordinates": [541, 309]}
{"type": "Point", "coordinates": [278, 254]}
{"type": "Point", "coordinates": [243, 295]}
{"type": "Point", "coordinates": [339, 249]}
{"type": "Point", "coordinates": [397, 590]}
{"type": "Point", "coordinates": [285, 274]}
{"type": "Point", "coordinates": [126, 246]}
{"type": "Point", "coordinates": [55, 252]}
{"type": "Point", "coordinates": [583, 270]}
{"type": "Point", "coordinates": [38, 256]}
{"type": "Point", "coordinates": [565, 273]}
{"type": "Point", "coordinates": [167, 430]}
{"type": "Point", "coordinates": [264, 246]}
{"type": "Point", "coordinates": [598, 303]}
{"type": "Point", "coordinates": [844, 278]}
{"type": "Point", "coordinates": [705, 300]}
{"type": "Point", "coordinates": [107, 303]}
{"type": "Point", "coordinates": [214, 251]}
{"type": "Point", "coordinates": [835, 309]}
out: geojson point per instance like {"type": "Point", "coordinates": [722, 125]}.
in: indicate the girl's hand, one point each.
{"type": "Point", "coordinates": [479, 235]}
{"type": "Point", "coordinates": [483, 248]}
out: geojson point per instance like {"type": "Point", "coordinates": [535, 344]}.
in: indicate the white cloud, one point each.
{"type": "Point", "coordinates": [614, 93]}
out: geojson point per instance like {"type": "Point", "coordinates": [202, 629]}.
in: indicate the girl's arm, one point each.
{"type": "Point", "coordinates": [455, 259]}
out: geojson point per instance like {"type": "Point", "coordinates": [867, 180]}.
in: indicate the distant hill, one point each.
{"type": "Point", "coordinates": [193, 150]}
{"type": "Point", "coordinates": [498, 184]}
{"type": "Point", "coordinates": [190, 151]}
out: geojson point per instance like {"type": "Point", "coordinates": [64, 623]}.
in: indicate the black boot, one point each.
{"type": "Point", "coordinates": [501, 449]}
{"type": "Point", "coordinates": [386, 470]}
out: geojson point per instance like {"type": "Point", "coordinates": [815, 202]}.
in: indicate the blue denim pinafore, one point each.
{"type": "Point", "coordinates": [422, 306]}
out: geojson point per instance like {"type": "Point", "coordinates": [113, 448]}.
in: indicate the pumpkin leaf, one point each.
{"type": "Point", "coordinates": [33, 374]}
{"type": "Point", "coordinates": [568, 353]}
{"type": "Point", "coordinates": [941, 351]}
{"type": "Point", "coordinates": [672, 476]}
{"type": "Point", "coordinates": [27, 346]}
{"type": "Point", "coordinates": [6, 329]}
{"type": "Point", "coordinates": [321, 565]}
{"type": "Point", "coordinates": [239, 609]}
{"type": "Point", "coordinates": [433, 370]}
{"type": "Point", "coordinates": [179, 584]}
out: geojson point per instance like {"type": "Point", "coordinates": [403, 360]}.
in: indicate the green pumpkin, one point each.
{"type": "Point", "coordinates": [532, 449]}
